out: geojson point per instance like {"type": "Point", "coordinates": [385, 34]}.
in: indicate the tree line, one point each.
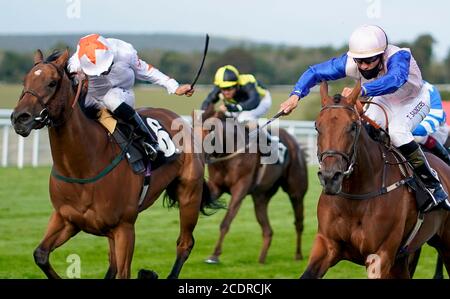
{"type": "Point", "coordinates": [271, 64]}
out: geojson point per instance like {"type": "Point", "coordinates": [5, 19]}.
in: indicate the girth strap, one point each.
{"type": "Point", "coordinates": [381, 191]}
{"type": "Point", "coordinates": [103, 173]}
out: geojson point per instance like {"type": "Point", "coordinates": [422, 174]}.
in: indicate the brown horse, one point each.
{"type": "Point", "coordinates": [82, 148]}
{"type": "Point", "coordinates": [368, 231]}
{"type": "Point", "coordinates": [242, 174]}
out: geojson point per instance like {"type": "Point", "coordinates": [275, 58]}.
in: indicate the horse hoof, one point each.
{"type": "Point", "coordinates": [147, 274]}
{"type": "Point", "coordinates": [212, 260]}
{"type": "Point", "coordinates": [298, 257]}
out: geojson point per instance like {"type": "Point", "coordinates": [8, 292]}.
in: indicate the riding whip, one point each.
{"type": "Point", "coordinates": [254, 132]}
{"type": "Point", "coordinates": [205, 51]}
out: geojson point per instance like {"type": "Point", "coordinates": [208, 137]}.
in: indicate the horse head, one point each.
{"type": "Point", "coordinates": [338, 126]}
{"type": "Point", "coordinates": [41, 102]}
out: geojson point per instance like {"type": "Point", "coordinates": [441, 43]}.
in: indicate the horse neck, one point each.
{"type": "Point", "coordinates": [76, 143]}
{"type": "Point", "coordinates": [368, 169]}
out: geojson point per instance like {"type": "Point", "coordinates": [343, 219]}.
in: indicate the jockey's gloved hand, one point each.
{"type": "Point", "coordinates": [234, 107]}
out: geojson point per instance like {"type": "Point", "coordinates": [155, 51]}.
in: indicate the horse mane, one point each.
{"type": "Point", "coordinates": [90, 112]}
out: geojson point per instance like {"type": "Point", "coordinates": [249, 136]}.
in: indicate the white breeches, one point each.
{"type": "Point", "coordinates": [112, 99]}
{"type": "Point", "coordinates": [403, 116]}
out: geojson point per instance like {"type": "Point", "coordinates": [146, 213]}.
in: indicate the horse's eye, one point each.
{"type": "Point", "coordinates": [52, 84]}
{"type": "Point", "coordinates": [354, 126]}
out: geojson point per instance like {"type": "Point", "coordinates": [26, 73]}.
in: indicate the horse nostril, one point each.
{"type": "Point", "coordinates": [336, 176]}
{"type": "Point", "coordinates": [22, 117]}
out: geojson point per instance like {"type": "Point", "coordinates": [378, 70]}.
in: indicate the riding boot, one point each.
{"type": "Point", "coordinates": [436, 148]}
{"type": "Point", "coordinates": [129, 115]}
{"type": "Point", "coordinates": [428, 176]}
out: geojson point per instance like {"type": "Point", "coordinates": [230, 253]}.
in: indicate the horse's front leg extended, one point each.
{"type": "Point", "coordinates": [124, 238]}
{"type": "Point", "coordinates": [112, 269]}
{"type": "Point", "coordinates": [58, 232]}
{"type": "Point", "coordinates": [325, 253]}
{"type": "Point", "coordinates": [238, 193]}
{"type": "Point", "coordinates": [190, 196]}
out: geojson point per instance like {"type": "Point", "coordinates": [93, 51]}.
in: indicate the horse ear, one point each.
{"type": "Point", "coordinates": [62, 59]}
{"type": "Point", "coordinates": [38, 57]}
{"type": "Point", "coordinates": [354, 95]}
{"type": "Point", "coordinates": [324, 92]}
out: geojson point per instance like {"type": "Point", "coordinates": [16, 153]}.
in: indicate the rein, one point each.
{"type": "Point", "coordinates": [212, 160]}
{"type": "Point", "coordinates": [352, 159]}
{"type": "Point", "coordinates": [349, 158]}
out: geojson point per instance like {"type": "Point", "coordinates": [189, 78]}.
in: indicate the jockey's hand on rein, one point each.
{"type": "Point", "coordinates": [234, 107]}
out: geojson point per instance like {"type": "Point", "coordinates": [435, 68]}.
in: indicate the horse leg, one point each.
{"type": "Point", "coordinates": [58, 232]}
{"type": "Point", "coordinates": [112, 270]}
{"type": "Point", "coordinates": [238, 193]}
{"type": "Point", "coordinates": [413, 259]}
{"type": "Point", "coordinates": [383, 264]}
{"type": "Point", "coordinates": [297, 206]}
{"type": "Point", "coordinates": [190, 195]}
{"type": "Point", "coordinates": [324, 254]}
{"type": "Point", "coordinates": [123, 247]}
{"type": "Point", "coordinates": [400, 269]}
{"type": "Point", "coordinates": [439, 271]}
{"type": "Point", "coordinates": [216, 192]}
{"type": "Point", "coordinates": [260, 202]}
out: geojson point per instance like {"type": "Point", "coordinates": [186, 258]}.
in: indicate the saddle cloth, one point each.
{"type": "Point", "coordinates": [165, 142]}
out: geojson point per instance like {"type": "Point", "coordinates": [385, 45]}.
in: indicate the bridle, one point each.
{"type": "Point", "coordinates": [44, 115]}
{"type": "Point", "coordinates": [349, 158]}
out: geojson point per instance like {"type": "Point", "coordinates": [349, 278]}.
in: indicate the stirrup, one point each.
{"type": "Point", "coordinates": [435, 204]}
{"type": "Point", "coordinates": [151, 152]}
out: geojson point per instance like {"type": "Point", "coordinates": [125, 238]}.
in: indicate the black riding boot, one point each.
{"type": "Point", "coordinates": [126, 113]}
{"type": "Point", "coordinates": [428, 176]}
{"type": "Point", "coordinates": [437, 149]}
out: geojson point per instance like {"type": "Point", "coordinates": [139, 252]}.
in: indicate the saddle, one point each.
{"type": "Point", "coordinates": [413, 182]}
{"type": "Point", "coordinates": [132, 144]}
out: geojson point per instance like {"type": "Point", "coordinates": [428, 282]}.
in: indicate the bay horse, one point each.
{"type": "Point", "coordinates": [82, 148]}
{"type": "Point", "coordinates": [242, 174]}
{"type": "Point", "coordinates": [373, 230]}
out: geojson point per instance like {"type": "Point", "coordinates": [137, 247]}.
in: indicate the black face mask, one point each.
{"type": "Point", "coordinates": [370, 74]}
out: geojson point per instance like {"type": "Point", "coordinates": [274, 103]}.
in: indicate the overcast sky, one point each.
{"type": "Point", "coordinates": [293, 22]}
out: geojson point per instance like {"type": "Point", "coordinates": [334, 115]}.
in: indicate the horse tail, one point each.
{"type": "Point", "coordinates": [208, 206]}
{"type": "Point", "coordinates": [209, 202]}
{"type": "Point", "coordinates": [170, 196]}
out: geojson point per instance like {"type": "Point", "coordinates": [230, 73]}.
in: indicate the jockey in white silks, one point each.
{"type": "Point", "coordinates": [112, 66]}
{"type": "Point", "coordinates": [391, 76]}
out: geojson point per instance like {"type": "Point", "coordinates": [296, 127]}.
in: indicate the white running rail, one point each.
{"type": "Point", "coordinates": [35, 150]}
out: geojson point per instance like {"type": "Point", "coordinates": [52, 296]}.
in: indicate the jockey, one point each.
{"type": "Point", "coordinates": [432, 132]}
{"type": "Point", "coordinates": [391, 76]}
{"type": "Point", "coordinates": [244, 98]}
{"type": "Point", "coordinates": [111, 66]}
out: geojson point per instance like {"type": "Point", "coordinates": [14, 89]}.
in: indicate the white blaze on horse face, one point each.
{"type": "Point", "coordinates": [38, 72]}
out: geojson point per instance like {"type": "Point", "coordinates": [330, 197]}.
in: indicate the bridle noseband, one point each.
{"type": "Point", "coordinates": [44, 116]}
{"type": "Point", "coordinates": [349, 158]}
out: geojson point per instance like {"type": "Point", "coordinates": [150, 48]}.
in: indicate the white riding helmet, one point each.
{"type": "Point", "coordinates": [94, 54]}
{"type": "Point", "coordinates": [367, 41]}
